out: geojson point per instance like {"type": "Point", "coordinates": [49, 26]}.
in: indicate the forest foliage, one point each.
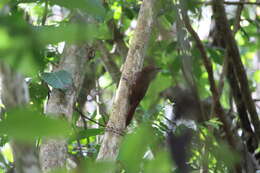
{"type": "Point", "coordinates": [31, 41]}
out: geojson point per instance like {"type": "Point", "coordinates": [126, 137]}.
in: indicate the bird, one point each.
{"type": "Point", "coordinates": [139, 87]}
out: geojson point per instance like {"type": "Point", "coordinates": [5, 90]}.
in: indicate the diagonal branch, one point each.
{"type": "Point", "coordinates": [235, 60]}
{"type": "Point", "coordinates": [218, 110]}
{"type": "Point", "coordinates": [133, 65]}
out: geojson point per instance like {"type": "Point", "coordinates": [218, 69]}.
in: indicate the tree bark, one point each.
{"type": "Point", "coordinates": [235, 60]}
{"type": "Point", "coordinates": [14, 92]}
{"type": "Point", "coordinates": [133, 64]}
{"type": "Point", "coordinates": [53, 152]}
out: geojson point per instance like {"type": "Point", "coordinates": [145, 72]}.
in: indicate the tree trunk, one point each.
{"type": "Point", "coordinates": [133, 64]}
{"type": "Point", "coordinates": [14, 93]}
{"type": "Point", "coordinates": [53, 152]}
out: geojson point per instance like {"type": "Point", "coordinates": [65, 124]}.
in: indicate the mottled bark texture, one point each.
{"type": "Point", "coordinates": [14, 93]}
{"type": "Point", "coordinates": [53, 152]}
{"type": "Point", "coordinates": [133, 65]}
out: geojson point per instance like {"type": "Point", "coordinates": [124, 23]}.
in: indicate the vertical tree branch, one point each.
{"type": "Point", "coordinates": [53, 152]}
{"type": "Point", "coordinates": [187, 65]}
{"type": "Point", "coordinates": [133, 64]}
{"type": "Point", "coordinates": [235, 60]}
{"type": "Point", "coordinates": [218, 110]}
{"type": "Point", "coordinates": [228, 70]}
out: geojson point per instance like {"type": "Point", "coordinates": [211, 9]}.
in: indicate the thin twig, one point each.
{"type": "Point", "coordinates": [85, 127]}
{"type": "Point", "coordinates": [80, 148]}
{"type": "Point", "coordinates": [84, 116]}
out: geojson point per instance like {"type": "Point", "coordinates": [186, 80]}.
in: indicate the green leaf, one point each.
{"type": "Point", "coordinates": [257, 76]}
{"type": "Point", "coordinates": [160, 83]}
{"type": "Point", "coordinates": [19, 46]}
{"type": "Point", "coordinates": [216, 55]}
{"type": "Point", "coordinates": [98, 167]}
{"type": "Point", "coordinates": [224, 154]}
{"type": "Point", "coordinates": [86, 133]}
{"type": "Point", "coordinates": [59, 80]}
{"type": "Point", "coordinates": [104, 32]}
{"type": "Point", "coordinates": [38, 91]}
{"type": "Point", "coordinates": [134, 147]}
{"type": "Point", "coordinates": [128, 12]}
{"type": "Point", "coordinates": [171, 47]}
{"type": "Point", "coordinates": [92, 7]}
{"type": "Point", "coordinates": [67, 32]}
{"type": "Point", "coordinates": [161, 163]}
{"type": "Point", "coordinates": [28, 124]}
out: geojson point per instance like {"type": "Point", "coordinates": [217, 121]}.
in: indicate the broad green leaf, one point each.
{"type": "Point", "coordinates": [134, 147]}
{"type": "Point", "coordinates": [71, 33]}
{"type": "Point", "coordinates": [98, 167]}
{"type": "Point", "coordinates": [28, 124]}
{"type": "Point", "coordinates": [161, 163]}
{"type": "Point", "coordinates": [19, 46]}
{"type": "Point", "coordinates": [2, 3]}
{"type": "Point", "coordinates": [5, 41]}
{"type": "Point", "coordinates": [104, 32]}
{"type": "Point", "coordinates": [59, 80]}
{"type": "Point", "coordinates": [92, 7]}
{"type": "Point", "coordinates": [60, 170]}
{"type": "Point", "coordinates": [160, 83]}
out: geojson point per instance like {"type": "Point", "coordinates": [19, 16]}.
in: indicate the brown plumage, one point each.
{"type": "Point", "coordinates": [139, 87]}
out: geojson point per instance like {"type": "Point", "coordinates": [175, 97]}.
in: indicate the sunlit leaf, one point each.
{"type": "Point", "coordinates": [7, 153]}
{"type": "Point", "coordinates": [257, 76]}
